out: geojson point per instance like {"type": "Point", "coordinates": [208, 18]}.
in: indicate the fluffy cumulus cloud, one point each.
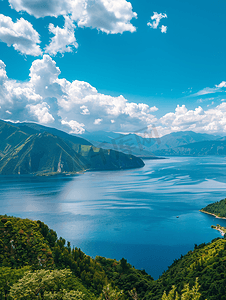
{"type": "Point", "coordinates": [64, 38]}
{"type": "Point", "coordinates": [97, 121]}
{"type": "Point", "coordinates": [163, 29]}
{"type": "Point", "coordinates": [155, 20]}
{"type": "Point", "coordinates": [110, 16]}
{"type": "Point", "coordinates": [222, 84]}
{"type": "Point", "coordinates": [73, 106]}
{"type": "Point", "coordinates": [16, 97]}
{"type": "Point", "coordinates": [77, 106]}
{"type": "Point", "coordinates": [3, 75]}
{"type": "Point", "coordinates": [41, 111]}
{"type": "Point", "coordinates": [210, 121]}
{"type": "Point", "coordinates": [21, 35]}
{"type": "Point", "coordinates": [74, 126]}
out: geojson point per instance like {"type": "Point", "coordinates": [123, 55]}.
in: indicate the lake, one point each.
{"type": "Point", "coordinates": [130, 214]}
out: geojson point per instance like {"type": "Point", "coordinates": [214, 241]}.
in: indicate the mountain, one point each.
{"type": "Point", "coordinates": [10, 136]}
{"type": "Point", "coordinates": [176, 139]}
{"type": "Point", "coordinates": [148, 147]}
{"type": "Point", "coordinates": [40, 154]}
{"type": "Point", "coordinates": [127, 143]}
{"type": "Point", "coordinates": [101, 136]}
{"type": "Point", "coordinates": [44, 153]}
{"type": "Point", "coordinates": [32, 128]}
{"type": "Point", "coordinates": [216, 147]}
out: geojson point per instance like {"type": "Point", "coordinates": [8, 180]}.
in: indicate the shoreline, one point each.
{"type": "Point", "coordinates": [219, 228]}
{"type": "Point", "coordinates": [217, 217]}
{"type": "Point", "coordinates": [221, 231]}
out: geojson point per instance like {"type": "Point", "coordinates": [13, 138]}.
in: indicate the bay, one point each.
{"type": "Point", "coordinates": [131, 214]}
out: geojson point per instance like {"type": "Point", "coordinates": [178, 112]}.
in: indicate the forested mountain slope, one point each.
{"type": "Point", "coordinates": [27, 245]}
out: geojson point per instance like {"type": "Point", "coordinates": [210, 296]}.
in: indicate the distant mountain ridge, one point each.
{"type": "Point", "coordinates": [176, 143]}
{"type": "Point", "coordinates": [39, 152]}
{"type": "Point", "coordinates": [203, 148]}
{"type": "Point", "coordinates": [177, 139]}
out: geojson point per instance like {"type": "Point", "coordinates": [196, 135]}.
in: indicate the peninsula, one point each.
{"type": "Point", "coordinates": [217, 209]}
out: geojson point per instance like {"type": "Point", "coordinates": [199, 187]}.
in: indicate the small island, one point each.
{"type": "Point", "coordinates": [217, 209]}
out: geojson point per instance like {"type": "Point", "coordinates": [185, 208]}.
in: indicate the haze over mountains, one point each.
{"type": "Point", "coordinates": [176, 143]}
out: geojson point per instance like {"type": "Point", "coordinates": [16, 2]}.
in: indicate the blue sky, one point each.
{"type": "Point", "coordinates": [100, 66]}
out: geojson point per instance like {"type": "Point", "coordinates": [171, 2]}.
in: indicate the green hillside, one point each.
{"type": "Point", "coordinates": [32, 128]}
{"type": "Point", "coordinates": [10, 137]}
{"type": "Point", "coordinates": [35, 264]}
{"type": "Point", "coordinates": [218, 208]}
{"type": "Point", "coordinates": [43, 153]}
{"type": "Point", "coordinates": [207, 262]}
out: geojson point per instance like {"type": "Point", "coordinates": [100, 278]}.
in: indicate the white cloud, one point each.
{"type": "Point", "coordinates": [110, 16]}
{"type": "Point", "coordinates": [21, 35]}
{"type": "Point", "coordinates": [76, 127]}
{"type": "Point", "coordinates": [153, 109]}
{"type": "Point", "coordinates": [41, 111]}
{"type": "Point", "coordinates": [64, 39]}
{"type": "Point", "coordinates": [97, 121]}
{"type": "Point", "coordinates": [40, 8]}
{"type": "Point", "coordinates": [46, 98]}
{"type": "Point", "coordinates": [218, 88]}
{"type": "Point", "coordinates": [76, 106]}
{"type": "Point", "coordinates": [206, 91]}
{"type": "Point", "coordinates": [3, 75]}
{"type": "Point", "coordinates": [156, 18]}
{"type": "Point", "coordinates": [85, 110]}
{"type": "Point", "coordinates": [19, 98]}
{"type": "Point", "coordinates": [210, 121]}
{"type": "Point", "coordinates": [163, 29]}
{"type": "Point", "coordinates": [222, 84]}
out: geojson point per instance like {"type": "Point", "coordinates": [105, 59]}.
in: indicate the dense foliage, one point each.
{"type": "Point", "coordinates": [207, 262]}
{"type": "Point", "coordinates": [126, 277]}
{"type": "Point", "coordinates": [218, 208]}
{"type": "Point", "coordinates": [46, 284]}
{"type": "Point", "coordinates": [35, 264]}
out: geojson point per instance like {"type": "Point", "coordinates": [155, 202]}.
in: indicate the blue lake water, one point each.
{"type": "Point", "coordinates": [130, 214]}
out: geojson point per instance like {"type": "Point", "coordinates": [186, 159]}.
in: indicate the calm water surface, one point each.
{"type": "Point", "coordinates": [131, 214]}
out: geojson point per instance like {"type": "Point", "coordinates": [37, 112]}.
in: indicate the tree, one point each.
{"type": "Point", "coordinates": [187, 293]}
{"type": "Point", "coordinates": [191, 294]}
{"type": "Point", "coordinates": [133, 294]}
{"type": "Point", "coordinates": [173, 295]}
{"type": "Point", "coordinates": [45, 284]}
{"type": "Point", "coordinates": [8, 277]}
{"type": "Point", "coordinates": [109, 293]}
